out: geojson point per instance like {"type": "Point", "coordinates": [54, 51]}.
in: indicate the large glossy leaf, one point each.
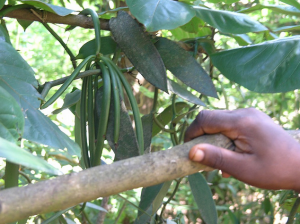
{"type": "Point", "coordinates": [11, 117]}
{"type": "Point", "coordinates": [160, 14]}
{"type": "Point", "coordinates": [203, 198]}
{"type": "Point", "coordinates": [229, 22]}
{"type": "Point", "coordinates": [137, 46]}
{"type": "Point", "coordinates": [151, 200]}
{"type": "Point", "coordinates": [108, 46]}
{"type": "Point", "coordinates": [185, 67]}
{"type": "Point", "coordinates": [127, 145]}
{"type": "Point", "coordinates": [285, 9]}
{"type": "Point", "coordinates": [266, 68]}
{"type": "Point", "coordinates": [184, 93]}
{"type": "Point", "coordinates": [17, 155]}
{"type": "Point", "coordinates": [292, 2]}
{"type": "Point", "coordinates": [50, 8]}
{"type": "Point", "coordinates": [17, 78]}
{"type": "Point", "coordinates": [166, 116]}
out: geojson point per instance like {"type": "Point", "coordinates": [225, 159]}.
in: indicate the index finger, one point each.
{"type": "Point", "coordinates": [212, 122]}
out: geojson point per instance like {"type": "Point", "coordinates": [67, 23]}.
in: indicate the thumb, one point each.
{"type": "Point", "coordinates": [217, 158]}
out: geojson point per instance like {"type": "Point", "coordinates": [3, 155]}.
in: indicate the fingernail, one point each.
{"type": "Point", "coordinates": [198, 156]}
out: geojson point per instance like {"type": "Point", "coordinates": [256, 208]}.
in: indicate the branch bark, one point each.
{"type": "Point", "coordinates": [102, 181]}
{"type": "Point", "coordinates": [48, 17]}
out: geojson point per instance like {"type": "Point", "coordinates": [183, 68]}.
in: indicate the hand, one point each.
{"type": "Point", "coordinates": [266, 156]}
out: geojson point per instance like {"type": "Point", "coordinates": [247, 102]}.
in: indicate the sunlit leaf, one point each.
{"type": "Point", "coordinates": [229, 22]}
{"type": "Point", "coordinates": [11, 117]}
{"type": "Point", "coordinates": [17, 78]}
{"type": "Point", "coordinates": [180, 34]}
{"type": "Point", "coordinates": [184, 93]}
{"type": "Point", "coordinates": [160, 14]}
{"type": "Point", "coordinates": [137, 46]}
{"type": "Point", "coordinates": [108, 46]}
{"type": "Point", "coordinates": [4, 36]}
{"type": "Point", "coordinates": [288, 29]}
{"type": "Point", "coordinates": [48, 7]}
{"type": "Point", "coordinates": [165, 117]}
{"type": "Point", "coordinates": [185, 67]}
{"type": "Point", "coordinates": [17, 155]}
{"type": "Point", "coordinates": [292, 2]}
{"type": "Point", "coordinates": [266, 68]}
{"type": "Point", "coordinates": [285, 9]}
{"type": "Point", "coordinates": [151, 200]}
{"type": "Point", "coordinates": [203, 197]}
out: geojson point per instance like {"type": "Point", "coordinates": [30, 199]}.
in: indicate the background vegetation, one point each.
{"type": "Point", "coordinates": [203, 38]}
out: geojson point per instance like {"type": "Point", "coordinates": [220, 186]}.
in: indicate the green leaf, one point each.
{"type": "Point", "coordinates": [147, 122]}
{"type": "Point", "coordinates": [127, 145]}
{"type": "Point", "coordinates": [242, 39]}
{"type": "Point", "coordinates": [229, 22]}
{"type": "Point", "coordinates": [2, 3]}
{"type": "Point", "coordinates": [61, 11]}
{"type": "Point", "coordinates": [137, 46]}
{"type": "Point", "coordinates": [11, 117]}
{"type": "Point", "coordinates": [265, 68]}
{"type": "Point", "coordinates": [160, 14]}
{"type": "Point", "coordinates": [208, 45]}
{"type": "Point", "coordinates": [180, 34]}
{"type": "Point", "coordinates": [4, 36]}
{"type": "Point", "coordinates": [184, 93]}
{"type": "Point", "coordinates": [70, 100]}
{"type": "Point", "coordinates": [292, 2]}
{"type": "Point", "coordinates": [288, 29]}
{"type": "Point", "coordinates": [166, 116]}
{"type": "Point", "coordinates": [151, 200]}
{"type": "Point", "coordinates": [17, 78]}
{"type": "Point", "coordinates": [193, 25]}
{"type": "Point", "coordinates": [17, 155]}
{"type": "Point", "coordinates": [185, 67]}
{"type": "Point", "coordinates": [24, 23]}
{"type": "Point", "coordinates": [288, 10]}
{"type": "Point", "coordinates": [108, 46]}
{"type": "Point", "coordinates": [203, 197]}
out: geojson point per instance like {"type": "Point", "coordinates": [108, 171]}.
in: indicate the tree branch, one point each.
{"type": "Point", "coordinates": [48, 17]}
{"type": "Point", "coordinates": [102, 181]}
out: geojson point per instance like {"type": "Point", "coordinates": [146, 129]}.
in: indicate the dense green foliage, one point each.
{"type": "Point", "coordinates": [190, 55]}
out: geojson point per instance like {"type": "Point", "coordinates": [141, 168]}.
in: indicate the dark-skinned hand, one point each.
{"type": "Point", "coordinates": [265, 155]}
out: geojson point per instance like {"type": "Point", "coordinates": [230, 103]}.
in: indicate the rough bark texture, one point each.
{"type": "Point", "coordinates": [102, 181]}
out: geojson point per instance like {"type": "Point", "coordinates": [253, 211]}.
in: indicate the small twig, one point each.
{"type": "Point", "coordinates": [293, 211]}
{"type": "Point", "coordinates": [170, 198]}
{"type": "Point", "coordinates": [102, 214]}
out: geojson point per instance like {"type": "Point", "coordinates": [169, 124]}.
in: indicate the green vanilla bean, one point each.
{"type": "Point", "coordinates": [96, 23]}
{"type": "Point", "coordinates": [135, 109]}
{"type": "Point", "coordinates": [103, 120]}
{"type": "Point", "coordinates": [68, 81]}
{"type": "Point", "coordinates": [116, 96]}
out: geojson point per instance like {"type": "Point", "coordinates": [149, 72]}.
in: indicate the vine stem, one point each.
{"type": "Point", "coordinates": [58, 38]}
